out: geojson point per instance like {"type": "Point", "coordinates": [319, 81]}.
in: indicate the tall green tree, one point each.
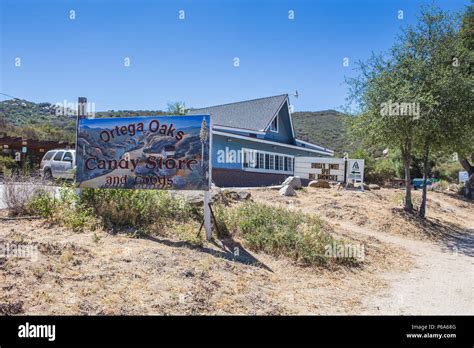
{"type": "Point", "coordinates": [438, 84]}
{"type": "Point", "coordinates": [382, 84]}
{"type": "Point", "coordinates": [176, 108]}
{"type": "Point", "coordinates": [465, 51]}
{"type": "Point", "coordinates": [417, 97]}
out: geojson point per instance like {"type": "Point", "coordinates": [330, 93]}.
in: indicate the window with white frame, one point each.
{"type": "Point", "coordinates": [263, 161]}
{"type": "Point", "coordinates": [271, 165]}
{"type": "Point", "coordinates": [274, 124]}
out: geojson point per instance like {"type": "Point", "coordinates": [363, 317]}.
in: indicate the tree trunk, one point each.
{"type": "Point", "coordinates": [406, 163]}
{"type": "Point", "coordinates": [425, 179]}
{"type": "Point", "coordinates": [466, 165]}
{"type": "Point", "coordinates": [469, 185]}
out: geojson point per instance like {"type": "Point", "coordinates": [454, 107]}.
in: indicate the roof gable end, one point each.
{"type": "Point", "coordinates": [252, 115]}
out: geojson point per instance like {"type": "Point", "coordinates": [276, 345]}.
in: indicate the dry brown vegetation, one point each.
{"type": "Point", "coordinates": [95, 272]}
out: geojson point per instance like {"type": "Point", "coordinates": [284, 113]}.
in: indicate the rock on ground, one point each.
{"type": "Point", "coordinates": [319, 184]}
{"type": "Point", "coordinates": [287, 190]}
{"type": "Point", "coordinates": [237, 195]}
{"type": "Point", "coordinates": [364, 185]}
{"type": "Point", "coordinates": [293, 181]}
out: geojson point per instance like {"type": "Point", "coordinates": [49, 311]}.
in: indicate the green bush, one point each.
{"type": "Point", "coordinates": [136, 208]}
{"type": "Point", "coordinates": [383, 170]}
{"type": "Point", "coordinates": [43, 204]}
{"type": "Point", "coordinates": [66, 210]}
{"type": "Point", "coordinates": [278, 231]}
{"type": "Point", "coordinates": [144, 211]}
{"type": "Point", "coordinates": [378, 169]}
{"type": "Point", "coordinates": [447, 169]}
{"type": "Point", "coordinates": [6, 163]}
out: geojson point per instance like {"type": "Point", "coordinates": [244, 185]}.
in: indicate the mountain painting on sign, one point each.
{"type": "Point", "coordinates": [165, 152]}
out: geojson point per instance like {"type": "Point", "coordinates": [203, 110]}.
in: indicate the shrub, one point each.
{"type": "Point", "coordinates": [226, 220]}
{"type": "Point", "coordinates": [447, 169]}
{"type": "Point", "coordinates": [136, 208]}
{"type": "Point", "coordinates": [6, 163]}
{"type": "Point", "coordinates": [143, 211]}
{"type": "Point", "coordinates": [18, 191]}
{"type": "Point", "coordinates": [278, 231]}
{"type": "Point", "coordinates": [383, 170]}
{"type": "Point", "coordinates": [65, 210]}
{"type": "Point", "coordinates": [43, 204]}
{"type": "Point", "coordinates": [188, 231]}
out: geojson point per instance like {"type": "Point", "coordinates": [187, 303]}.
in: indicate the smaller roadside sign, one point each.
{"type": "Point", "coordinates": [463, 177]}
{"type": "Point", "coordinates": [355, 169]}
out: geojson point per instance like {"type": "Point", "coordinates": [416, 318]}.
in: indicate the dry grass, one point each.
{"type": "Point", "coordinates": [380, 210]}
{"type": "Point", "coordinates": [18, 192]}
{"type": "Point", "coordinates": [99, 273]}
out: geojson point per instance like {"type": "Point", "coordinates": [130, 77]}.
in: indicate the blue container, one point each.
{"type": "Point", "coordinates": [418, 183]}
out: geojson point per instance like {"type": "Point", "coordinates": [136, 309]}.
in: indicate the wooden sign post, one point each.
{"type": "Point", "coordinates": [207, 194]}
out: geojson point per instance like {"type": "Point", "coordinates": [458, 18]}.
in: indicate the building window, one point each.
{"type": "Point", "coordinates": [279, 162]}
{"type": "Point", "coordinates": [261, 161]}
{"type": "Point", "coordinates": [274, 124]}
{"type": "Point", "coordinates": [312, 176]}
{"type": "Point", "coordinates": [266, 161]}
{"type": "Point", "coordinates": [316, 165]}
{"type": "Point", "coordinates": [334, 166]}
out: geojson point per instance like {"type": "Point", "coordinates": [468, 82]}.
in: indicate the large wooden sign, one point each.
{"type": "Point", "coordinates": [165, 152]}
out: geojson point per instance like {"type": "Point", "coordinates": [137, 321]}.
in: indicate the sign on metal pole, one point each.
{"type": "Point", "coordinates": [463, 177]}
{"type": "Point", "coordinates": [355, 170]}
{"type": "Point", "coordinates": [158, 152]}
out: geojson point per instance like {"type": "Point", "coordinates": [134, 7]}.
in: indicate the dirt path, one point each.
{"type": "Point", "coordinates": [442, 281]}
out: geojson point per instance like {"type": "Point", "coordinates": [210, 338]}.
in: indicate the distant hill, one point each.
{"type": "Point", "coordinates": [327, 128]}
{"type": "Point", "coordinates": [42, 121]}
{"type": "Point", "coordinates": [35, 121]}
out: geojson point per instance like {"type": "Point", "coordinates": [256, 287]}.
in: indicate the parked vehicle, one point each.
{"type": "Point", "coordinates": [58, 164]}
{"type": "Point", "coordinates": [418, 183]}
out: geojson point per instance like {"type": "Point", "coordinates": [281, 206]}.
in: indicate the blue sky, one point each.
{"type": "Point", "coordinates": [192, 59]}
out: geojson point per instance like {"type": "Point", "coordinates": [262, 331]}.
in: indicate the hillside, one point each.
{"type": "Point", "coordinates": [42, 121]}
{"type": "Point", "coordinates": [35, 121]}
{"type": "Point", "coordinates": [326, 128]}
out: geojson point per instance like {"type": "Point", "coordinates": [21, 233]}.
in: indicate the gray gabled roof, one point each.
{"type": "Point", "coordinates": [253, 114]}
